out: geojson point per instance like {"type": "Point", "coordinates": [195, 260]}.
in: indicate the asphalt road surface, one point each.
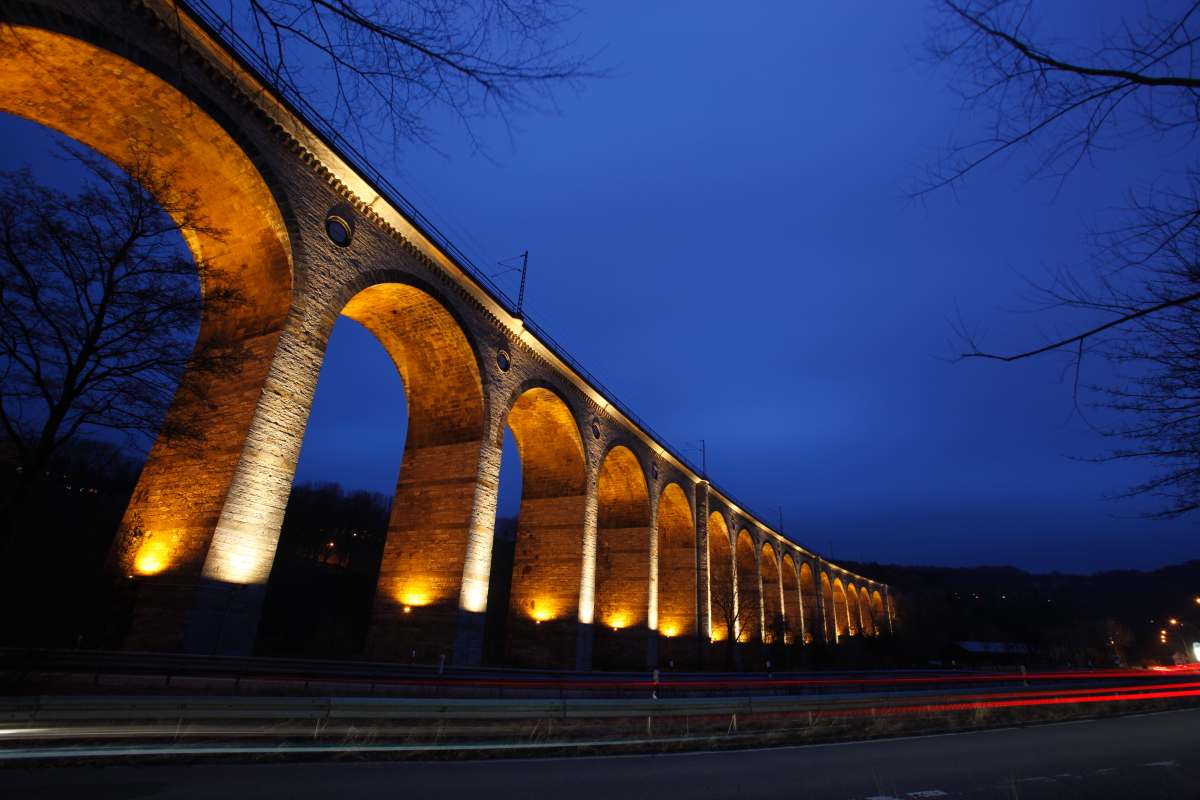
{"type": "Point", "coordinates": [1140, 757]}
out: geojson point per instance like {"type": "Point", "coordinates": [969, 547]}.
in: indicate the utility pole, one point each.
{"type": "Point", "coordinates": [521, 293]}
{"type": "Point", "coordinates": [524, 271]}
{"type": "Point", "coordinates": [780, 510]}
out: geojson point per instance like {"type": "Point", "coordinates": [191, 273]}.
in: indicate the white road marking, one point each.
{"type": "Point", "coordinates": [1162, 764]}
{"type": "Point", "coordinates": [930, 793]}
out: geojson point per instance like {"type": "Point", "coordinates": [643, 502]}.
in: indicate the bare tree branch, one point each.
{"type": "Point", "coordinates": [378, 69]}
{"type": "Point", "coordinates": [99, 309]}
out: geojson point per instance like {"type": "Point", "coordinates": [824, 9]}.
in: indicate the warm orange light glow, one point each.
{"type": "Point", "coordinates": [414, 598]}
{"type": "Point", "coordinates": [407, 609]}
{"type": "Point", "coordinates": [1174, 622]}
{"type": "Point", "coordinates": [541, 615]}
{"type": "Point", "coordinates": [618, 621]}
{"type": "Point", "coordinates": [150, 563]}
{"type": "Point", "coordinates": [153, 556]}
{"type": "Point", "coordinates": [669, 631]}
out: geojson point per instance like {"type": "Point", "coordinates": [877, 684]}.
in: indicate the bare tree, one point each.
{"type": "Point", "coordinates": [99, 310]}
{"type": "Point", "coordinates": [380, 68]}
{"type": "Point", "coordinates": [1062, 104]}
{"type": "Point", "coordinates": [738, 612]}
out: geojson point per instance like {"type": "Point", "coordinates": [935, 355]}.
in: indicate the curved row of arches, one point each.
{"type": "Point", "coordinates": [617, 560]}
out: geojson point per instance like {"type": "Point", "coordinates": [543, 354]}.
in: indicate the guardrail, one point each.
{"type": "Point", "coordinates": [423, 678]}
{"type": "Point", "coordinates": [59, 709]}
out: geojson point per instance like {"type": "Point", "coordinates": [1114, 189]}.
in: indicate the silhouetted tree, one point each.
{"type": "Point", "coordinates": [380, 68]}
{"type": "Point", "coordinates": [322, 582]}
{"type": "Point", "coordinates": [99, 310]}
{"type": "Point", "coordinates": [1061, 103]}
{"type": "Point", "coordinates": [738, 611]}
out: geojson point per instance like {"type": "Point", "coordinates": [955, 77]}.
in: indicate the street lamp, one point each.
{"type": "Point", "coordinates": [1186, 625]}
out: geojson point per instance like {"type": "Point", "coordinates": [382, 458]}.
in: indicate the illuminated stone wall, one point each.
{"type": "Point", "coordinates": [677, 601]}
{"type": "Point", "coordinates": [793, 618]}
{"type": "Point", "coordinates": [772, 607]}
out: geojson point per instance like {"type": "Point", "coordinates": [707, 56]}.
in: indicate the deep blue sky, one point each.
{"type": "Point", "coordinates": [719, 231]}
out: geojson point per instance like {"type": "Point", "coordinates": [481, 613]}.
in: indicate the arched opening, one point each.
{"type": "Point", "coordinates": [722, 594]}
{"type": "Point", "coordinates": [868, 617]}
{"type": "Point", "coordinates": [622, 563]}
{"type": "Point", "coordinates": [121, 109]}
{"type": "Point", "coordinates": [792, 615]}
{"type": "Point", "coordinates": [543, 607]}
{"type": "Point", "coordinates": [773, 624]}
{"type": "Point", "coordinates": [882, 623]}
{"type": "Point", "coordinates": [748, 627]}
{"type": "Point", "coordinates": [676, 578]}
{"type": "Point", "coordinates": [839, 608]}
{"type": "Point", "coordinates": [326, 567]}
{"type": "Point", "coordinates": [808, 602]}
{"type": "Point", "coordinates": [831, 627]}
{"type": "Point", "coordinates": [420, 577]}
{"type": "Point", "coordinates": [853, 618]}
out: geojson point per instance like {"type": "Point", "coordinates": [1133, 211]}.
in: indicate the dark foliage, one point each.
{"type": "Point", "coordinates": [54, 591]}
{"type": "Point", "coordinates": [322, 584]}
{"type": "Point", "coordinates": [1066, 620]}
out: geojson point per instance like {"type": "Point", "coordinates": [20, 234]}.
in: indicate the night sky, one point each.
{"type": "Point", "coordinates": [720, 232]}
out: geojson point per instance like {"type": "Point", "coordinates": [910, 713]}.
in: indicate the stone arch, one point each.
{"type": "Point", "coordinates": [85, 90]}
{"type": "Point", "coordinates": [864, 605]}
{"type": "Point", "coordinates": [622, 561]}
{"type": "Point", "coordinates": [878, 613]}
{"type": "Point", "coordinates": [808, 604]}
{"type": "Point", "coordinates": [828, 610]}
{"type": "Point", "coordinates": [839, 608]}
{"type": "Point", "coordinates": [722, 588]}
{"type": "Point", "coordinates": [543, 612]}
{"type": "Point", "coordinates": [421, 575]}
{"type": "Point", "coordinates": [793, 617]}
{"type": "Point", "coordinates": [676, 576]}
{"type": "Point", "coordinates": [749, 597]}
{"type": "Point", "coordinates": [853, 615]}
{"type": "Point", "coordinates": [772, 610]}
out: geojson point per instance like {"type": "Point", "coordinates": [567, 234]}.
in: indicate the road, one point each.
{"type": "Point", "coordinates": [1143, 757]}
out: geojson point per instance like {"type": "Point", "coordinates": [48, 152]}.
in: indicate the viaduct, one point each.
{"type": "Point", "coordinates": [625, 555]}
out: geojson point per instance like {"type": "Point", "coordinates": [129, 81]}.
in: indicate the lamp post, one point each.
{"type": "Point", "coordinates": [1185, 625]}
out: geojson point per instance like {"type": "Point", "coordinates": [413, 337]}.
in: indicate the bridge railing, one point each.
{"type": "Point", "coordinates": [221, 29]}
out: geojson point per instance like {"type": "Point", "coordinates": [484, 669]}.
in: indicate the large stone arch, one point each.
{"type": "Point", "coordinates": [868, 618]}
{"type": "Point", "coordinates": [420, 578]}
{"type": "Point", "coordinates": [879, 615]}
{"type": "Point", "coordinates": [677, 616]}
{"type": "Point", "coordinates": [827, 608]}
{"type": "Point", "coordinates": [749, 596]}
{"type": "Point", "coordinates": [722, 587]}
{"type": "Point", "coordinates": [811, 615]}
{"type": "Point", "coordinates": [793, 616]}
{"type": "Point", "coordinates": [839, 608]}
{"type": "Point", "coordinates": [125, 105]}
{"type": "Point", "coordinates": [853, 616]}
{"type": "Point", "coordinates": [543, 612]}
{"type": "Point", "coordinates": [622, 561]}
{"type": "Point", "coordinates": [772, 610]}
